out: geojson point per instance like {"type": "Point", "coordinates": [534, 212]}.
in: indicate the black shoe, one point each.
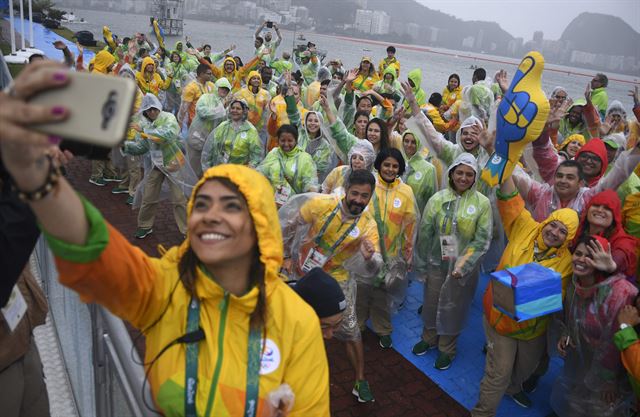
{"type": "Point", "coordinates": [531, 384]}
{"type": "Point", "coordinates": [420, 309]}
{"type": "Point", "coordinates": [522, 400]}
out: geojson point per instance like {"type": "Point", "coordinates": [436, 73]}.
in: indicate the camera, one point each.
{"type": "Point", "coordinates": [269, 24]}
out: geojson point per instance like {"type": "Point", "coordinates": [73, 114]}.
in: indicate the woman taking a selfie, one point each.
{"type": "Point", "coordinates": [215, 314]}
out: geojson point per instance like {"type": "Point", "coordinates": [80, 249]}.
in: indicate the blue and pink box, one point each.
{"type": "Point", "coordinates": [527, 291]}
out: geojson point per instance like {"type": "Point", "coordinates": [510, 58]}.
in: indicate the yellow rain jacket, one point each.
{"type": "Point", "coordinates": [316, 212]}
{"type": "Point", "coordinates": [394, 209]}
{"type": "Point", "coordinates": [108, 270]}
{"type": "Point", "coordinates": [192, 93]}
{"type": "Point", "coordinates": [155, 83]}
{"type": "Point", "coordinates": [102, 61]}
{"type": "Point", "coordinates": [257, 102]}
{"type": "Point", "coordinates": [235, 77]}
{"type": "Point", "coordinates": [523, 234]}
{"type": "Point", "coordinates": [450, 97]}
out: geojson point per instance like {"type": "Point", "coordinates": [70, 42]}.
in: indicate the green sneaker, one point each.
{"type": "Point", "coordinates": [120, 190]}
{"type": "Point", "coordinates": [130, 200]}
{"type": "Point", "coordinates": [142, 233]}
{"type": "Point", "coordinates": [362, 391]}
{"type": "Point", "coordinates": [421, 348]}
{"type": "Point", "coordinates": [385, 342]}
{"type": "Point", "coordinates": [100, 182]}
{"type": "Point", "coordinates": [443, 362]}
{"type": "Point", "coordinates": [110, 178]}
{"type": "Point", "coordinates": [522, 400]}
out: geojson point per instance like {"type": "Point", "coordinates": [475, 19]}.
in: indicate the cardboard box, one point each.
{"type": "Point", "coordinates": [527, 291]}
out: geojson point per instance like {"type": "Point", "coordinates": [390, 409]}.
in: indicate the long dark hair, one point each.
{"type": "Point", "coordinates": [189, 263]}
{"type": "Point", "coordinates": [384, 132]}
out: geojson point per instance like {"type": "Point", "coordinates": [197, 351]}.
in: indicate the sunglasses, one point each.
{"type": "Point", "coordinates": [589, 157]}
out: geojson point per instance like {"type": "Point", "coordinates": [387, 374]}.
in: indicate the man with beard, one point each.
{"type": "Point", "coordinates": [339, 236]}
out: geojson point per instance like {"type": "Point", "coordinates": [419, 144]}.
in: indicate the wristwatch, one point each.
{"type": "Point", "coordinates": [623, 326]}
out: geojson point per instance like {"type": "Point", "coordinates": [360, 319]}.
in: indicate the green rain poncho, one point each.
{"type": "Point", "coordinates": [319, 148]}
{"type": "Point", "coordinates": [415, 75]}
{"type": "Point", "coordinates": [290, 173]}
{"type": "Point", "coordinates": [420, 175]}
{"type": "Point", "coordinates": [387, 87]}
{"type": "Point", "coordinates": [565, 129]}
{"type": "Point", "coordinates": [233, 142]}
{"type": "Point", "coordinates": [465, 219]}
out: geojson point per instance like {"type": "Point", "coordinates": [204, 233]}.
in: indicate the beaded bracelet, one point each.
{"type": "Point", "coordinates": [53, 177]}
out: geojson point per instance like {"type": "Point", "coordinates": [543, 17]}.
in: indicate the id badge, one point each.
{"type": "Point", "coordinates": [315, 259]}
{"type": "Point", "coordinates": [449, 247]}
{"type": "Point", "coordinates": [282, 195]}
{"type": "Point", "coordinates": [15, 309]}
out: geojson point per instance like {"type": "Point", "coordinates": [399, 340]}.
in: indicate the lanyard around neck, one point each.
{"type": "Point", "coordinates": [191, 368]}
{"type": "Point", "coordinates": [318, 239]}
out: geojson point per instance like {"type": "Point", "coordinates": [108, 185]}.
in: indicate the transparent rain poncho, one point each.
{"type": "Point", "coordinates": [159, 144]}
{"type": "Point", "coordinates": [337, 178]}
{"type": "Point", "coordinates": [393, 207]}
{"type": "Point", "coordinates": [594, 365]}
{"type": "Point", "coordinates": [462, 224]}
{"type": "Point", "coordinates": [313, 223]}
{"type": "Point", "coordinates": [234, 142]}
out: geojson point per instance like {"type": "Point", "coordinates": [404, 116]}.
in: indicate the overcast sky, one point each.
{"type": "Point", "coordinates": [523, 17]}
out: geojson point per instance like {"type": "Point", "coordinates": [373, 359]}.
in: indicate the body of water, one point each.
{"type": "Point", "coordinates": [436, 64]}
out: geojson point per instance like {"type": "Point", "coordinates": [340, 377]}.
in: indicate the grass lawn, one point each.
{"type": "Point", "coordinates": [14, 69]}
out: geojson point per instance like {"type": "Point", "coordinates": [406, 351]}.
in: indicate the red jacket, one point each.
{"type": "Point", "coordinates": [623, 246]}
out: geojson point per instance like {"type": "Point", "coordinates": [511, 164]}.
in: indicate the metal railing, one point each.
{"type": "Point", "coordinates": [89, 334]}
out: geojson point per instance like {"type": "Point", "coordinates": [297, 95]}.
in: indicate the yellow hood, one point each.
{"type": "Point", "coordinates": [251, 75]}
{"type": "Point", "coordinates": [147, 61]}
{"type": "Point", "coordinates": [566, 216]}
{"type": "Point", "coordinates": [102, 61]}
{"type": "Point", "coordinates": [259, 194]}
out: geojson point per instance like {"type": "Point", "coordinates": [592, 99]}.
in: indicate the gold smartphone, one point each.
{"type": "Point", "coordinates": [99, 107]}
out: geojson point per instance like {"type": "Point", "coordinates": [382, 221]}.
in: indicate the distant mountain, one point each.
{"type": "Point", "coordinates": [602, 34]}
{"type": "Point", "coordinates": [451, 31]}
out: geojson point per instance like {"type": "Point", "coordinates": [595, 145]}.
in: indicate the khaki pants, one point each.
{"type": "Point", "coordinates": [372, 302]}
{"type": "Point", "coordinates": [151, 195]}
{"type": "Point", "coordinates": [509, 363]}
{"type": "Point", "coordinates": [431, 299]}
{"type": "Point", "coordinates": [101, 168]}
{"type": "Point", "coordinates": [22, 388]}
{"type": "Point", "coordinates": [133, 175]}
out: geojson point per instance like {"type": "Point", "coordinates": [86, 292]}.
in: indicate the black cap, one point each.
{"type": "Point", "coordinates": [322, 292]}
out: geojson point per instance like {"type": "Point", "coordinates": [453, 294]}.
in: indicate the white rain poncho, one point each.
{"type": "Point", "coordinates": [314, 236]}
{"type": "Point", "coordinates": [476, 101]}
{"type": "Point", "coordinates": [461, 226]}
{"type": "Point", "coordinates": [594, 365]}
{"type": "Point", "coordinates": [159, 143]}
{"type": "Point", "coordinates": [337, 178]}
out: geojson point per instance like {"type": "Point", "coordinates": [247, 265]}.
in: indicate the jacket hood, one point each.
{"type": "Point", "coordinates": [235, 66]}
{"type": "Point", "coordinates": [392, 70]}
{"type": "Point", "coordinates": [468, 122]}
{"type": "Point", "coordinates": [178, 43]}
{"type": "Point", "coordinates": [127, 71]}
{"type": "Point", "coordinates": [223, 83]}
{"type": "Point", "coordinates": [147, 61]}
{"type": "Point", "coordinates": [419, 145]}
{"type": "Point", "coordinates": [259, 195]}
{"type": "Point", "coordinates": [365, 148]}
{"type": "Point", "coordinates": [150, 101]}
{"type": "Point", "coordinates": [467, 159]}
{"type": "Point", "coordinates": [595, 146]}
{"type": "Point", "coordinates": [608, 199]}
{"type": "Point", "coordinates": [575, 137]}
{"type": "Point", "coordinates": [251, 75]}
{"type": "Point", "coordinates": [616, 107]}
{"type": "Point", "coordinates": [415, 75]}
{"type": "Point", "coordinates": [323, 74]}
{"type": "Point", "coordinates": [245, 109]}
{"type": "Point", "coordinates": [556, 90]}
{"type": "Point", "coordinates": [318, 115]}
{"type": "Point", "coordinates": [102, 61]}
{"type": "Point", "coordinates": [566, 216]}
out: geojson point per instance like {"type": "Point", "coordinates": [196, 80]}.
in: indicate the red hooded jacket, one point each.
{"type": "Point", "coordinates": [595, 146]}
{"type": "Point", "coordinates": [623, 246]}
